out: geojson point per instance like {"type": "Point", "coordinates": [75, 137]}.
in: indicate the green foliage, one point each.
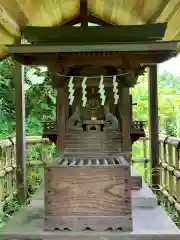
{"type": "Point", "coordinates": [168, 100]}
{"type": "Point", "coordinates": [39, 96]}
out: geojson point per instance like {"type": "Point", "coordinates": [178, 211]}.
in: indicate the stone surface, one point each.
{"type": "Point", "coordinates": [136, 179]}
{"type": "Point", "coordinates": [28, 223]}
{"type": "Point", "coordinates": [150, 222]}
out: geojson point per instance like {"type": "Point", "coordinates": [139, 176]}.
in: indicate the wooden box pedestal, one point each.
{"type": "Point", "coordinates": [88, 195]}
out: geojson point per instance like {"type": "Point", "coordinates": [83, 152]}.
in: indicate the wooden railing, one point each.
{"type": "Point", "coordinates": [168, 168]}
{"type": "Point", "coordinates": [39, 150]}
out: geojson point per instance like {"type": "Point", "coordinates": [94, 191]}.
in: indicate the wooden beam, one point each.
{"type": "Point", "coordinates": [120, 33]}
{"type": "Point", "coordinates": [60, 120]}
{"type": "Point", "coordinates": [113, 47]}
{"type": "Point", "coordinates": [71, 22]}
{"type": "Point", "coordinates": [95, 59]}
{"type": "Point", "coordinates": [84, 13]}
{"type": "Point", "coordinates": [21, 171]}
{"type": "Point", "coordinates": [115, 59]}
{"type": "Point", "coordinates": [99, 21]}
{"type": "Point", "coordinates": [125, 119]}
{"type": "Point", "coordinates": [153, 124]}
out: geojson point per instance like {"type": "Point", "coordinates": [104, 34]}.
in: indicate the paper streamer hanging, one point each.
{"type": "Point", "coordinates": [71, 90]}
{"type": "Point", "coordinates": [84, 92]}
{"type": "Point", "coordinates": [115, 90]}
{"type": "Point", "coordinates": [102, 91]}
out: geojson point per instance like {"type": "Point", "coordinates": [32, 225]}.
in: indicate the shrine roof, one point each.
{"type": "Point", "coordinates": [15, 15]}
{"type": "Point", "coordinates": [106, 54]}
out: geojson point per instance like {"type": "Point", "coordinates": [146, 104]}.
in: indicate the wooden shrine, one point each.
{"type": "Point", "coordinates": [88, 186]}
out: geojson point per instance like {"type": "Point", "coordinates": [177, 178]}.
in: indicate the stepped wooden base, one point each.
{"type": "Point", "coordinates": [89, 223]}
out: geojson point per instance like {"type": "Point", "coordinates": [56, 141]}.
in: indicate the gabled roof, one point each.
{"type": "Point", "coordinates": [15, 14]}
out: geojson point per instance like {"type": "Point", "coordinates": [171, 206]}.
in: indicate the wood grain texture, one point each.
{"type": "Point", "coordinates": [153, 123]}
{"type": "Point", "coordinates": [87, 190]}
{"type": "Point", "coordinates": [21, 176]}
{"type": "Point", "coordinates": [16, 14]}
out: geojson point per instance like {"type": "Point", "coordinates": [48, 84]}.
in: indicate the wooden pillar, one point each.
{"type": "Point", "coordinates": [153, 123]}
{"type": "Point", "coordinates": [60, 120]}
{"type": "Point", "coordinates": [125, 119]}
{"type": "Point", "coordinates": [66, 104]}
{"type": "Point", "coordinates": [131, 108]}
{"type": "Point", "coordinates": [21, 172]}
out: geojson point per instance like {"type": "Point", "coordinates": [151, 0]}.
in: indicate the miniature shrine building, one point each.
{"type": "Point", "coordinates": [93, 69]}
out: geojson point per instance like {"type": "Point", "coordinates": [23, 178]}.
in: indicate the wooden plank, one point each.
{"type": "Point", "coordinates": [64, 195]}
{"type": "Point", "coordinates": [21, 177]}
{"type": "Point", "coordinates": [144, 197]}
{"type": "Point", "coordinates": [103, 47]}
{"type": "Point", "coordinates": [153, 124]}
{"type": "Point", "coordinates": [85, 192]}
{"type": "Point", "coordinates": [68, 34]}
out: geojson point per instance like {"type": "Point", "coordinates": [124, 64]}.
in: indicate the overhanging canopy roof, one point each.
{"type": "Point", "coordinates": [15, 14]}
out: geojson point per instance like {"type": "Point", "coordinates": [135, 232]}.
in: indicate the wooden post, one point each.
{"type": "Point", "coordinates": [153, 124]}
{"type": "Point", "coordinates": [84, 13]}
{"type": "Point", "coordinates": [125, 119]}
{"type": "Point", "coordinates": [21, 172]}
{"type": "Point", "coordinates": [131, 108]}
{"type": "Point", "coordinates": [60, 120]}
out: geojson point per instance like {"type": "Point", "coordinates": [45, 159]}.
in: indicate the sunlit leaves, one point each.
{"type": "Point", "coordinates": [168, 102]}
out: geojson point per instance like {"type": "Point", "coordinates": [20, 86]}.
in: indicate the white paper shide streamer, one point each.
{"type": "Point", "coordinates": [71, 90]}
{"type": "Point", "coordinates": [84, 92]}
{"type": "Point", "coordinates": [115, 90]}
{"type": "Point", "coordinates": [102, 91]}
